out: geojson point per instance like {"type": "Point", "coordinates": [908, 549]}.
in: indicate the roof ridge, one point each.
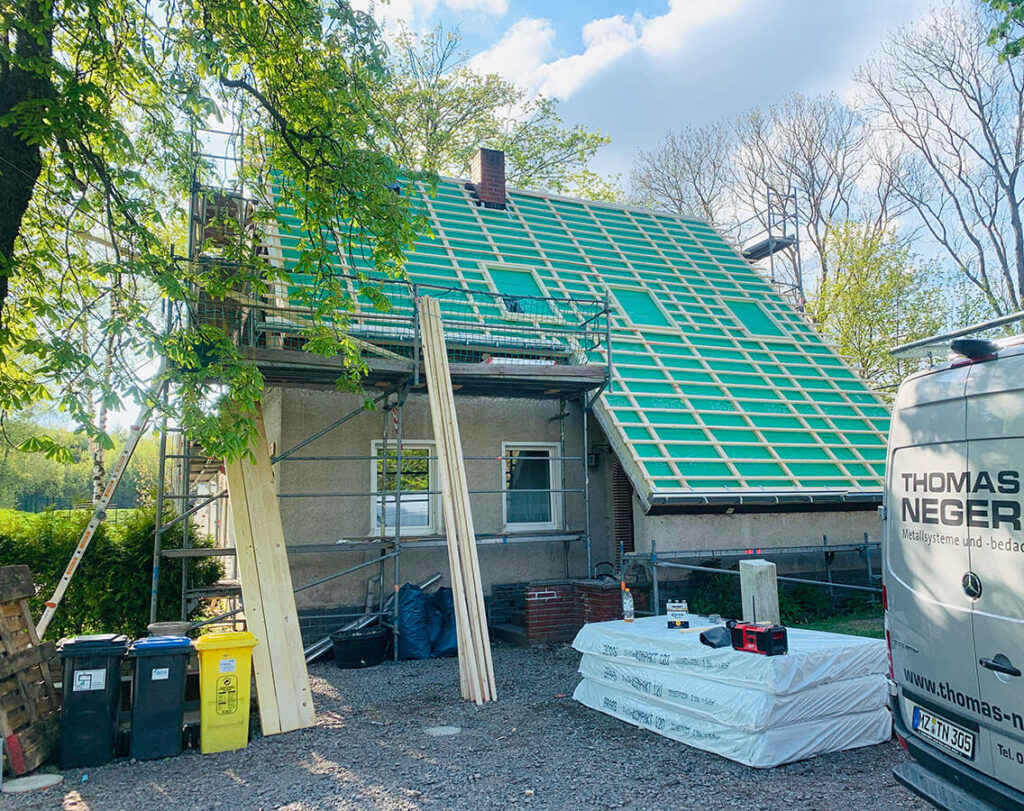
{"type": "Point", "coordinates": [547, 195]}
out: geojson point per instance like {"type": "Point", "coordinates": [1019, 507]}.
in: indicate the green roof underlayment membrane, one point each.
{"type": "Point", "coordinates": [719, 387]}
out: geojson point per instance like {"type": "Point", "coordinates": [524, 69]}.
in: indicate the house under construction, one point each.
{"type": "Point", "coordinates": [628, 388]}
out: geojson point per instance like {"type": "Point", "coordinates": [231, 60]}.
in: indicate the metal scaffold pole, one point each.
{"type": "Point", "coordinates": [395, 629]}
{"type": "Point", "coordinates": [158, 525]}
{"type": "Point", "coordinates": [586, 491]}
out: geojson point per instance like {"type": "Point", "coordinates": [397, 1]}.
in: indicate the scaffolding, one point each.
{"type": "Point", "coordinates": [539, 347]}
{"type": "Point", "coordinates": [869, 553]}
{"type": "Point", "coordinates": [777, 239]}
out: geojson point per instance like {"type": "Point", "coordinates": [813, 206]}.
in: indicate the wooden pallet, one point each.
{"type": "Point", "coordinates": [28, 701]}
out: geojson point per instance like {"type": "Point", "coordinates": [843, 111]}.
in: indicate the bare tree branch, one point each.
{"type": "Point", "coordinates": [953, 116]}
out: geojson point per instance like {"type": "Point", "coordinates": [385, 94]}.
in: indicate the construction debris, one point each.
{"type": "Point", "coordinates": [476, 671]}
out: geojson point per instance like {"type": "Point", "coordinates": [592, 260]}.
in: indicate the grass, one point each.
{"type": "Point", "coordinates": [862, 622]}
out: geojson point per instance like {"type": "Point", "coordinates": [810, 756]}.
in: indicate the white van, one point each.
{"type": "Point", "coordinates": [953, 576]}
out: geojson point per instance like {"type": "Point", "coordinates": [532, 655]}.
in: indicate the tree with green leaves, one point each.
{"type": "Point", "coordinates": [100, 106]}
{"type": "Point", "coordinates": [442, 111]}
{"type": "Point", "coordinates": [879, 296]}
{"type": "Point", "coordinates": [1009, 31]}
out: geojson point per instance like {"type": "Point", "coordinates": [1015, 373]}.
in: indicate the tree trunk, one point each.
{"type": "Point", "coordinates": [20, 161]}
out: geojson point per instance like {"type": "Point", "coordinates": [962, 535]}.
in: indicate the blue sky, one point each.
{"type": "Point", "coordinates": [637, 70]}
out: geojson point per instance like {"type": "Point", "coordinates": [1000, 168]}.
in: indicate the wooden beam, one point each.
{"type": "Point", "coordinates": [282, 682]}
{"type": "Point", "coordinates": [474, 644]}
{"type": "Point", "coordinates": [469, 672]}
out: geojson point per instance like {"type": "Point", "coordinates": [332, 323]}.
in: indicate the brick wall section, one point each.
{"type": "Point", "coordinates": [556, 611]}
{"type": "Point", "coordinates": [316, 623]}
{"type": "Point", "coordinates": [551, 612]}
{"type": "Point", "coordinates": [487, 171]}
{"type": "Point", "coordinates": [598, 603]}
{"type": "Point", "coordinates": [507, 601]}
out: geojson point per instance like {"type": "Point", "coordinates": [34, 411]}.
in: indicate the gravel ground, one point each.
{"type": "Point", "coordinates": [534, 748]}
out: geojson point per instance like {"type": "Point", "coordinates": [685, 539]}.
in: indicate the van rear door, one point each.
{"type": "Point", "coordinates": [926, 557]}
{"type": "Point", "coordinates": [995, 433]}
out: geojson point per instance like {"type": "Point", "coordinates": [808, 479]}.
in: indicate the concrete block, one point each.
{"type": "Point", "coordinates": [760, 591]}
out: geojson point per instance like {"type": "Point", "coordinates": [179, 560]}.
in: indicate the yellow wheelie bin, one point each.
{"type": "Point", "coordinates": [225, 668]}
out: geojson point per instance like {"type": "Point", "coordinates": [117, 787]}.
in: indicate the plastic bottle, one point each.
{"type": "Point", "coordinates": [627, 604]}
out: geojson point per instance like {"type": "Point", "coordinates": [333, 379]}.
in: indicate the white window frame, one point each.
{"type": "Point", "coordinates": [555, 477]}
{"type": "Point", "coordinates": [433, 484]}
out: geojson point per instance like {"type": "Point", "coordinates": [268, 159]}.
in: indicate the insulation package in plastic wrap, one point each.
{"type": "Point", "coordinates": [828, 693]}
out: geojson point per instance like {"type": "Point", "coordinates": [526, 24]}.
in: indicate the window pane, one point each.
{"type": "Point", "coordinates": [528, 486]}
{"type": "Point", "coordinates": [416, 502]}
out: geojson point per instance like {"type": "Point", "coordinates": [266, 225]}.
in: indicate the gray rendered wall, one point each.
{"type": "Point", "coordinates": [292, 414]}
{"type": "Point", "coordinates": [745, 530]}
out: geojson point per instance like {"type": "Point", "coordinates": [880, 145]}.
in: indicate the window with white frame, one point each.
{"type": "Point", "coordinates": [418, 504]}
{"type": "Point", "coordinates": [531, 486]}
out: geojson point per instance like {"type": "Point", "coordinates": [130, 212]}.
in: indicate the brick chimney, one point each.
{"type": "Point", "coordinates": [488, 175]}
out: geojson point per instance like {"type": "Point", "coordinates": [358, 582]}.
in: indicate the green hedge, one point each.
{"type": "Point", "coordinates": [110, 592]}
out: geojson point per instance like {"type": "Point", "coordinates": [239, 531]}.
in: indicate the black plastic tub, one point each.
{"type": "Point", "coordinates": [362, 648]}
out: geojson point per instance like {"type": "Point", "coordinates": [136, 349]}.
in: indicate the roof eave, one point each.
{"type": "Point", "coordinates": [666, 498]}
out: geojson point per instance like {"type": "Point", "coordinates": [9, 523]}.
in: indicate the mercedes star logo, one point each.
{"type": "Point", "coordinates": [972, 585]}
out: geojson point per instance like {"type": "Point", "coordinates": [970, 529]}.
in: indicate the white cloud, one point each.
{"type": "Point", "coordinates": [605, 42]}
{"type": "Point", "coordinates": [523, 54]}
{"type": "Point", "coordinates": [496, 8]}
{"type": "Point", "coordinates": [415, 14]}
{"type": "Point", "coordinates": [668, 32]}
{"type": "Point", "coordinates": [520, 54]}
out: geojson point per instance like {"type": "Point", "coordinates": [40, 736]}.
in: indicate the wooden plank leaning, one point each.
{"type": "Point", "coordinates": [467, 540]}
{"type": "Point", "coordinates": [469, 669]}
{"type": "Point", "coordinates": [282, 681]}
{"type": "Point", "coordinates": [455, 493]}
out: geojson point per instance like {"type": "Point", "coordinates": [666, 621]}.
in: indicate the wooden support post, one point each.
{"type": "Point", "coordinates": [282, 682]}
{"type": "Point", "coordinates": [760, 591]}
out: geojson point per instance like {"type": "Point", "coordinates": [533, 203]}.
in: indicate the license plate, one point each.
{"type": "Point", "coordinates": [952, 736]}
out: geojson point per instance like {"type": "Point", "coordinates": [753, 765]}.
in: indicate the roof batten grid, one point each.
{"type": "Point", "coordinates": [750, 423]}
{"type": "Point", "coordinates": [740, 409]}
{"type": "Point", "coordinates": [829, 447]}
{"type": "Point", "coordinates": [631, 463]}
{"type": "Point", "coordinates": [766, 380]}
{"type": "Point", "coordinates": [595, 273]}
{"type": "Point", "coordinates": [451, 253]}
{"type": "Point", "coordinates": [701, 401]}
{"type": "Point", "coordinates": [514, 209]}
{"type": "Point", "coordinates": [659, 441]}
{"type": "Point", "coordinates": [474, 210]}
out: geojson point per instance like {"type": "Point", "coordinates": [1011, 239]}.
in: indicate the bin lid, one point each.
{"type": "Point", "coordinates": [93, 645]}
{"type": "Point", "coordinates": [357, 634]}
{"type": "Point", "coordinates": [159, 645]}
{"type": "Point", "coordinates": [226, 639]}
